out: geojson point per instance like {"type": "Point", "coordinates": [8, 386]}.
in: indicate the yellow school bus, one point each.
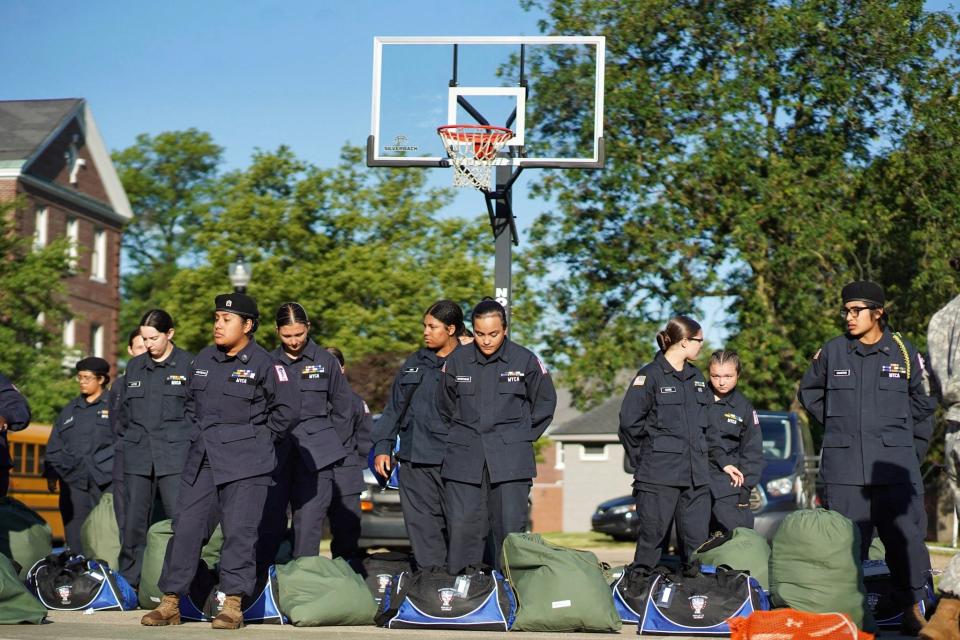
{"type": "Point", "coordinates": [27, 484]}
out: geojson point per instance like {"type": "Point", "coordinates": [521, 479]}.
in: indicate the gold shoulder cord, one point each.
{"type": "Point", "coordinates": [903, 350]}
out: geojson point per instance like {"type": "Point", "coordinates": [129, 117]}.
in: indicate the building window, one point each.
{"type": "Point", "coordinates": [71, 355]}
{"type": "Point", "coordinates": [558, 464]}
{"type": "Point", "coordinates": [593, 452]}
{"type": "Point", "coordinates": [98, 258]}
{"type": "Point", "coordinates": [40, 222]}
{"type": "Point", "coordinates": [96, 340]}
{"type": "Point", "coordinates": [73, 235]}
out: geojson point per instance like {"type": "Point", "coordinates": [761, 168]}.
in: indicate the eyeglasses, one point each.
{"type": "Point", "coordinates": [83, 378]}
{"type": "Point", "coordinates": [846, 311]}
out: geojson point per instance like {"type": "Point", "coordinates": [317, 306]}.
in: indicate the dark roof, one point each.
{"type": "Point", "coordinates": [25, 125]}
{"type": "Point", "coordinates": [602, 419]}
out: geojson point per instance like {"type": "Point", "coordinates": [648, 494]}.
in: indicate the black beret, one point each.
{"type": "Point", "coordinates": [864, 290]}
{"type": "Point", "coordinates": [95, 365]}
{"type": "Point", "coordinates": [238, 303]}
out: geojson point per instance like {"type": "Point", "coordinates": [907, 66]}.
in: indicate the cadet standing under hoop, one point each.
{"type": "Point", "coordinates": [240, 402]}
{"type": "Point", "coordinates": [413, 415]}
{"type": "Point", "coordinates": [866, 388]}
{"type": "Point", "coordinates": [498, 399]}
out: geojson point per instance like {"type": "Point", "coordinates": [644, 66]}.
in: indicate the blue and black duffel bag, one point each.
{"type": "Point", "coordinates": [479, 599]}
{"type": "Point", "coordinates": [263, 608]}
{"type": "Point", "coordinates": [66, 582]}
{"type": "Point", "coordinates": [694, 600]}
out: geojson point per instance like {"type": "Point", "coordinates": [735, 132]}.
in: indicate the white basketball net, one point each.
{"type": "Point", "coordinates": [473, 151]}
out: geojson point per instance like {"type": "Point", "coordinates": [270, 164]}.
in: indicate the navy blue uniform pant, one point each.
{"type": "Point", "coordinates": [310, 495]}
{"type": "Point", "coordinates": [119, 487]}
{"type": "Point", "coordinates": [140, 494]}
{"type": "Point", "coordinates": [238, 505]}
{"type": "Point", "coordinates": [344, 514]}
{"type": "Point", "coordinates": [423, 503]}
{"type": "Point", "coordinates": [75, 505]}
{"type": "Point", "coordinates": [657, 505]}
{"type": "Point", "coordinates": [476, 510]}
{"type": "Point", "coordinates": [730, 512]}
{"type": "Point", "coordinates": [897, 512]}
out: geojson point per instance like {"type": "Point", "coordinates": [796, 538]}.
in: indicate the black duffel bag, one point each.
{"type": "Point", "coordinates": [379, 569]}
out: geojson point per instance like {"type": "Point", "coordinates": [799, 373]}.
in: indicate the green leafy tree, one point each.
{"type": "Point", "coordinates": [170, 180]}
{"type": "Point", "coordinates": [758, 153]}
{"type": "Point", "coordinates": [364, 251]}
{"type": "Point", "coordinates": [31, 284]}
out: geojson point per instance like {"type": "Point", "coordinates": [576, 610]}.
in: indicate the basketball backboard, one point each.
{"type": "Point", "coordinates": [421, 83]}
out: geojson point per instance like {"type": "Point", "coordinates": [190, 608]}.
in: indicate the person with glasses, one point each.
{"type": "Point", "coordinates": [866, 388]}
{"type": "Point", "coordinates": [80, 450]}
{"type": "Point", "coordinates": [663, 422]}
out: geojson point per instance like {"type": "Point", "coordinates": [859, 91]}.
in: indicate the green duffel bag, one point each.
{"type": "Point", "coordinates": [318, 592]}
{"type": "Point", "coordinates": [558, 589]}
{"type": "Point", "coordinates": [741, 549]}
{"type": "Point", "coordinates": [24, 536]}
{"type": "Point", "coordinates": [815, 566]}
{"type": "Point", "coordinates": [158, 536]}
{"type": "Point", "coordinates": [100, 534]}
{"type": "Point", "coordinates": [17, 605]}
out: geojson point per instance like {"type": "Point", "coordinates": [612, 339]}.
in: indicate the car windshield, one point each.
{"type": "Point", "coordinates": [777, 437]}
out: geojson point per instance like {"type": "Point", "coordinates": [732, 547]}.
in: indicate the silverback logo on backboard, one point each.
{"type": "Point", "coordinates": [400, 144]}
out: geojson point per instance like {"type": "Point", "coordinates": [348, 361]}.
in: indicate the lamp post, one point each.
{"type": "Point", "coordinates": [240, 273]}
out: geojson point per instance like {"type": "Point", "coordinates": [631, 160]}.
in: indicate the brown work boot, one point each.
{"type": "Point", "coordinates": [912, 621]}
{"type": "Point", "coordinates": [945, 623]}
{"type": "Point", "coordinates": [231, 616]}
{"type": "Point", "coordinates": [168, 612]}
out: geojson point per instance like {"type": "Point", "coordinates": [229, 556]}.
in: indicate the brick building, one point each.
{"type": "Point", "coordinates": [52, 155]}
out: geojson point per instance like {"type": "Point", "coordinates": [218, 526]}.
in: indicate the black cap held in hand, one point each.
{"type": "Point", "coordinates": [97, 366]}
{"type": "Point", "coordinates": [869, 292]}
{"type": "Point", "coordinates": [238, 303]}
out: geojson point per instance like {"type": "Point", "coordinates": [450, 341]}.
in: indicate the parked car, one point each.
{"type": "Point", "coordinates": [786, 484]}
{"type": "Point", "coordinates": [381, 520]}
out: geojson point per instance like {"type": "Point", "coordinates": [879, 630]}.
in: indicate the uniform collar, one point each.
{"type": "Point", "coordinates": [729, 400]}
{"type": "Point", "coordinates": [171, 360]}
{"type": "Point", "coordinates": [501, 354]}
{"type": "Point", "coordinates": [309, 353]}
{"type": "Point", "coordinates": [885, 345]}
{"type": "Point", "coordinates": [82, 403]}
{"type": "Point", "coordinates": [684, 374]}
{"type": "Point", "coordinates": [427, 355]}
{"type": "Point", "coordinates": [244, 355]}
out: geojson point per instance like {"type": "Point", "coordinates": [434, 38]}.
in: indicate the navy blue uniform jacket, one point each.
{"type": "Point", "coordinates": [152, 418]}
{"type": "Point", "coordinates": [239, 405]}
{"type": "Point", "coordinates": [325, 406]}
{"type": "Point", "coordinates": [874, 414]}
{"type": "Point", "coordinates": [81, 446]}
{"type": "Point", "coordinates": [13, 407]}
{"type": "Point", "coordinates": [423, 433]}
{"type": "Point", "coordinates": [496, 408]}
{"type": "Point", "coordinates": [734, 437]}
{"type": "Point", "coordinates": [663, 423]}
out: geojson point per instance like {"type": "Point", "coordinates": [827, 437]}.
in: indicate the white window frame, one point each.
{"type": "Point", "coordinates": [559, 463]}
{"type": "Point", "coordinates": [73, 236]}
{"type": "Point", "coordinates": [96, 340]}
{"type": "Point", "coordinates": [594, 457]}
{"type": "Point", "coordinates": [98, 256]}
{"type": "Point", "coordinates": [41, 226]}
{"type": "Point", "coordinates": [71, 355]}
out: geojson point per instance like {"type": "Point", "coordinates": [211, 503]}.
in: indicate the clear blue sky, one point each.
{"type": "Point", "coordinates": [251, 72]}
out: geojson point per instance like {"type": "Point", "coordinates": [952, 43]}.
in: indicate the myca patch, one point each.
{"type": "Point", "coordinates": [700, 385]}
{"type": "Point", "coordinates": [733, 418]}
{"type": "Point", "coordinates": [103, 414]}
{"type": "Point", "coordinates": [243, 376]}
{"type": "Point", "coordinates": [175, 380]}
{"type": "Point", "coordinates": [312, 372]}
{"type": "Point", "coordinates": [512, 376]}
{"type": "Point", "coordinates": [894, 370]}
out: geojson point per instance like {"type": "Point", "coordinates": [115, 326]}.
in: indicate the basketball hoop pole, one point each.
{"type": "Point", "coordinates": [500, 210]}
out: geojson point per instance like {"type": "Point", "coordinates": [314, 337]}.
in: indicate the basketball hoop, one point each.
{"type": "Point", "coordinates": [473, 149]}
